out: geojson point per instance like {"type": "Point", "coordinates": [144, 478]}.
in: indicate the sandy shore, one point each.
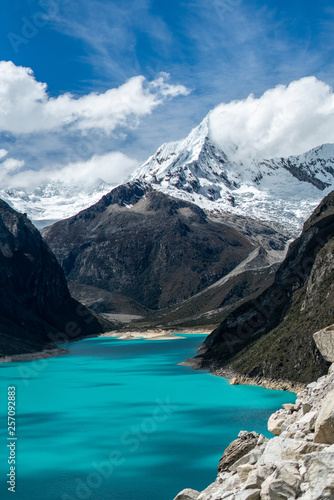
{"type": "Point", "coordinates": [155, 334]}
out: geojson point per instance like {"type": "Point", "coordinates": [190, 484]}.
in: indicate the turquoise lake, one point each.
{"type": "Point", "coordinates": [120, 420]}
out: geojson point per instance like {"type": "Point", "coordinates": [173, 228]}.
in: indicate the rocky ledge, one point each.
{"type": "Point", "coordinates": [298, 463]}
{"type": "Point", "coordinates": [278, 385]}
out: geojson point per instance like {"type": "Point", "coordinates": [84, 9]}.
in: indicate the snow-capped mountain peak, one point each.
{"type": "Point", "coordinates": [197, 169]}
{"type": "Point", "coordinates": [283, 190]}
{"type": "Point", "coordinates": [193, 165]}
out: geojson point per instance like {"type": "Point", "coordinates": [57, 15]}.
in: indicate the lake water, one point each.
{"type": "Point", "coordinates": [120, 420]}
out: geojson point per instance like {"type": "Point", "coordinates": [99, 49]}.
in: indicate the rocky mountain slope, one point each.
{"type": "Point", "coordinates": [150, 247]}
{"type": "Point", "coordinates": [256, 341]}
{"type": "Point", "coordinates": [36, 307]}
{"type": "Point", "coordinates": [101, 301]}
{"type": "Point", "coordinates": [283, 190]}
{"type": "Point", "coordinates": [297, 463]}
{"type": "Point", "coordinates": [211, 305]}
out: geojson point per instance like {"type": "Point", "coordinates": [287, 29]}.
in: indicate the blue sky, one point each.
{"type": "Point", "coordinates": [214, 52]}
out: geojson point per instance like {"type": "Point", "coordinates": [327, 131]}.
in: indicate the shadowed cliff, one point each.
{"type": "Point", "coordinates": [36, 308]}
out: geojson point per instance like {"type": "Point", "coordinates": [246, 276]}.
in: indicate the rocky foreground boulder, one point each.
{"type": "Point", "coordinates": [325, 342]}
{"type": "Point", "coordinates": [298, 463]}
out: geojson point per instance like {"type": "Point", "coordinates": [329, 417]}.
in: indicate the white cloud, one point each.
{"type": "Point", "coordinates": [12, 165]}
{"type": "Point", "coordinates": [112, 168]}
{"type": "Point", "coordinates": [26, 107]}
{"type": "Point", "coordinates": [3, 153]}
{"type": "Point", "coordinates": [285, 120]}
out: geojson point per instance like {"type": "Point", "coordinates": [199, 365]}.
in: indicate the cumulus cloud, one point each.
{"type": "Point", "coordinates": [12, 165]}
{"type": "Point", "coordinates": [26, 107]}
{"type": "Point", "coordinates": [285, 120]}
{"type": "Point", "coordinates": [112, 168]}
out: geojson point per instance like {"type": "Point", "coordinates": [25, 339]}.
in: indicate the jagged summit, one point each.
{"type": "Point", "coordinates": [194, 166]}
{"type": "Point", "coordinates": [283, 190]}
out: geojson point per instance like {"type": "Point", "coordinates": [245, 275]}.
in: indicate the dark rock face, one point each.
{"type": "Point", "coordinates": [272, 336]}
{"type": "Point", "coordinates": [145, 245]}
{"type": "Point", "coordinates": [302, 174]}
{"type": "Point", "coordinates": [35, 303]}
{"type": "Point", "coordinates": [102, 301]}
{"type": "Point", "coordinates": [30, 276]}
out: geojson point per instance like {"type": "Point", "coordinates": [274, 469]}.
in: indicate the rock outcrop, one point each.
{"type": "Point", "coordinates": [238, 449]}
{"type": "Point", "coordinates": [325, 342]}
{"type": "Point", "coordinates": [298, 463]}
{"type": "Point", "coordinates": [36, 308]}
{"type": "Point", "coordinates": [187, 494]}
{"type": "Point", "coordinates": [324, 424]}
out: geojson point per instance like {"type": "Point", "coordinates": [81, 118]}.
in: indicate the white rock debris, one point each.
{"type": "Point", "coordinates": [298, 463]}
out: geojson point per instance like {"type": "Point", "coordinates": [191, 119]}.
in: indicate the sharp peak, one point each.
{"type": "Point", "coordinates": [202, 135]}
{"type": "Point", "coordinates": [200, 132]}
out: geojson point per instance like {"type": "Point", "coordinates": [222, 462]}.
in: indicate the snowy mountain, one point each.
{"type": "Point", "coordinates": [55, 200]}
{"type": "Point", "coordinates": [282, 190]}
{"type": "Point", "coordinates": [196, 169]}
